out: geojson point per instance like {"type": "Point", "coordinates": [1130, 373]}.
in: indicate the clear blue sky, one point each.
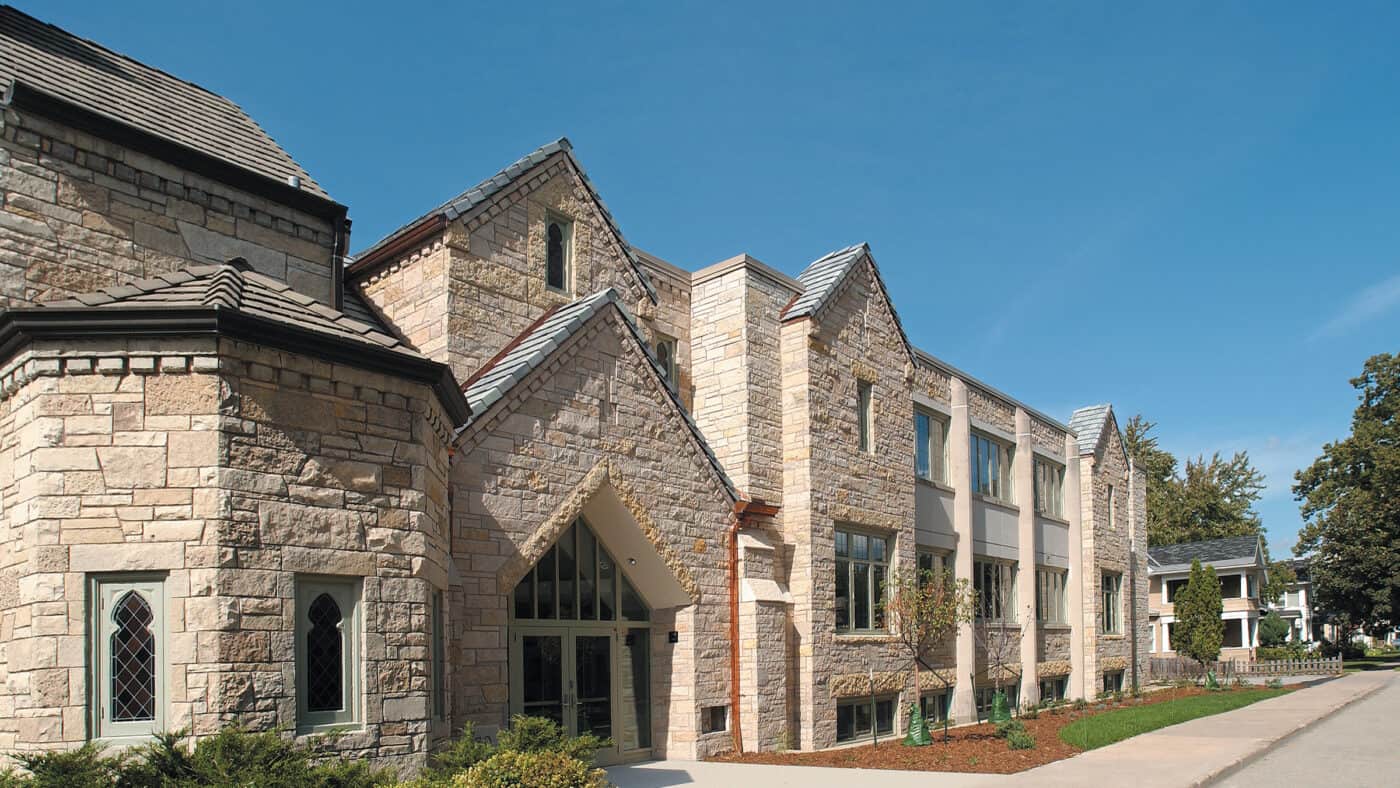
{"type": "Point", "coordinates": [1189, 210]}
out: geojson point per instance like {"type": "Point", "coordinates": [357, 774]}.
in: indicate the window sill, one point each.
{"type": "Point", "coordinates": [1054, 518]}
{"type": "Point", "coordinates": [343, 728]}
{"type": "Point", "coordinates": [1056, 627]}
{"type": "Point", "coordinates": [935, 484]}
{"type": "Point", "coordinates": [859, 637]}
{"type": "Point", "coordinates": [997, 502]}
{"type": "Point", "coordinates": [1113, 636]}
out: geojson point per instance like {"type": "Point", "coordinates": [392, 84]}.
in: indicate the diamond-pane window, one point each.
{"type": "Point", "coordinates": [325, 656]}
{"type": "Point", "coordinates": [133, 650]}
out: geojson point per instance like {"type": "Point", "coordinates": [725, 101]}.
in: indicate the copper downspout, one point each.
{"type": "Point", "coordinates": [743, 510]}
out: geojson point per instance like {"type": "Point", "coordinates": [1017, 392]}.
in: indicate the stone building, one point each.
{"type": "Point", "coordinates": [500, 462]}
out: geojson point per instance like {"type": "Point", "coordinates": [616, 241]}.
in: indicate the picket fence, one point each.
{"type": "Point", "coordinates": [1174, 668]}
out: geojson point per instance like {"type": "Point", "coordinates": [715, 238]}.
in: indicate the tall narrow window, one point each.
{"type": "Point", "coordinates": [1050, 598]}
{"type": "Point", "coordinates": [666, 358]}
{"type": "Point", "coordinates": [327, 652]}
{"type": "Point", "coordinates": [991, 467]}
{"type": "Point", "coordinates": [930, 447]}
{"type": "Point", "coordinates": [558, 248]}
{"type": "Point", "coordinates": [1049, 488]}
{"type": "Point", "coordinates": [128, 656]}
{"type": "Point", "coordinates": [1111, 617]}
{"type": "Point", "coordinates": [995, 584]}
{"type": "Point", "coordinates": [862, 561]}
{"type": "Point", "coordinates": [1112, 509]}
{"type": "Point", "coordinates": [865, 416]}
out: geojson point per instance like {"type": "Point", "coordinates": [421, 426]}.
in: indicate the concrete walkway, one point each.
{"type": "Point", "coordinates": [1355, 747]}
{"type": "Point", "coordinates": [1192, 753]}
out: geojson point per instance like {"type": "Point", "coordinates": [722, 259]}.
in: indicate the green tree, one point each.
{"type": "Point", "coordinates": [1273, 630]}
{"type": "Point", "coordinates": [1351, 507]}
{"type": "Point", "coordinates": [926, 609]}
{"type": "Point", "coordinates": [1281, 576]}
{"type": "Point", "coordinates": [1199, 629]}
{"type": "Point", "coordinates": [1157, 466]}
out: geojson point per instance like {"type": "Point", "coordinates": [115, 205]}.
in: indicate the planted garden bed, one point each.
{"type": "Point", "coordinates": [977, 748]}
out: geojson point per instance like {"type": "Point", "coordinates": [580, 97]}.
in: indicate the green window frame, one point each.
{"type": "Point", "coordinates": [930, 446]}
{"type": "Point", "coordinates": [327, 652]}
{"type": "Point", "coordinates": [1051, 598]}
{"type": "Point", "coordinates": [128, 656]}
{"type": "Point", "coordinates": [865, 415]}
{"type": "Point", "coordinates": [862, 567]}
{"type": "Point", "coordinates": [991, 464]}
{"type": "Point", "coordinates": [439, 628]}
{"type": "Point", "coordinates": [1049, 488]}
{"type": "Point", "coordinates": [856, 717]}
{"type": "Point", "coordinates": [1053, 689]}
{"type": "Point", "coordinates": [1111, 616]}
{"type": "Point", "coordinates": [995, 584]}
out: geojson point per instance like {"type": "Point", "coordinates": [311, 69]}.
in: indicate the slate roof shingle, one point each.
{"type": "Point", "coordinates": [538, 342]}
{"type": "Point", "coordinates": [821, 278]}
{"type": "Point", "coordinates": [1229, 550]}
{"type": "Point", "coordinates": [480, 193]}
{"type": "Point", "coordinates": [86, 74]}
{"type": "Point", "coordinates": [1087, 424]}
{"type": "Point", "coordinates": [234, 285]}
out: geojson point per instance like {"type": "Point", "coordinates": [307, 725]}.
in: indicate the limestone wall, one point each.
{"type": "Point", "coordinates": [592, 419]}
{"type": "Point", "coordinates": [81, 213]}
{"type": "Point", "coordinates": [229, 471]}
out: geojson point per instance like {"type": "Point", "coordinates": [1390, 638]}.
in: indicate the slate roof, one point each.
{"type": "Point", "coordinates": [1087, 424]}
{"type": "Point", "coordinates": [480, 193]}
{"type": "Point", "coordinates": [821, 278]}
{"type": "Point", "coordinates": [1232, 550]}
{"type": "Point", "coordinates": [234, 285]}
{"type": "Point", "coordinates": [88, 75]}
{"type": "Point", "coordinates": [539, 341]}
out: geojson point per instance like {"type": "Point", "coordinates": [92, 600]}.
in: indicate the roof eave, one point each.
{"type": "Point", "coordinates": [31, 99]}
{"type": "Point", "coordinates": [396, 245]}
{"type": "Point", "coordinates": [18, 327]}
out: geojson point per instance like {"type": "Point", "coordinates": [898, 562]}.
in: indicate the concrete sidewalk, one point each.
{"type": "Point", "coordinates": [1192, 753]}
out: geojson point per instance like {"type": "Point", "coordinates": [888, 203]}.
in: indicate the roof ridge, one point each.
{"type": "Point", "coordinates": [226, 285]}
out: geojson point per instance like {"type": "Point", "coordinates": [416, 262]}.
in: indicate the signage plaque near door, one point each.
{"type": "Point", "coordinates": [673, 636]}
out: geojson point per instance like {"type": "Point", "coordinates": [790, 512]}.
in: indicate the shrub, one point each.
{"type": "Point", "coordinates": [1030, 711]}
{"type": "Point", "coordinates": [1010, 727]}
{"type": "Point", "coordinates": [235, 756]}
{"type": "Point", "coordinates": [1080, 704]}
{"type": "Point", "coordinates": [1274, 683]}
{"type": "Point", "coordinates": [462, 754]}
{"type": "Point", "coordinates": [85, 767]}
{"type": "Point", "coordinates": [1020, 740]}
{"type": "Point", "coordinates": [538, 769]}
{"type": "Point", "coordinates": [1348, 649]}
{"type": "Point", "coordinates": [540, 734]}
{"type": "Point", "coordinates": [1273, 630]}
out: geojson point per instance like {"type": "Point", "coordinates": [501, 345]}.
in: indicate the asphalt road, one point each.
{"type": "Point", "coordinates": [1357, 746]}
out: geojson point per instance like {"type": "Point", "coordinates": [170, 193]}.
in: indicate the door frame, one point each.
{"type": "Point", "coordinates": [567, 631]}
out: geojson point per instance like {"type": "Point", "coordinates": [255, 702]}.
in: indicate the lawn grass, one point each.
{"type": "Point", "coordinates": [1114, 726]}
{"type": "Point", "coordinates": [1369, 663]}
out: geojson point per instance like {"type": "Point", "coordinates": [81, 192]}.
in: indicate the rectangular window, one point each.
{"type": "Point", "coordinates": [932, 565]}
{"type": "Point", "coordinates": [439, 627]}
{"type": "Point", "coordinates": [995, 584]}
{"type": "Point", "coordinates": [1253, 582]}
{"type": "Point", "coordinates": [128, 656]}
{"type": "Point", "coordinates": [930, 447]}
{"type": "Point", "coordinates": [862, 564]}
{"type": "Point", "coordinates": [1111, 617]}
{"type": "Point", "coordinates": [934, 705]}
{"type": "Point", "coordinates": [856, 718]}
{"type": "Point", "coordinates": [1049, 488]}
{"type": "Point", "coordinates": [1174, 587]}
{"type": "Point", "coordinates": [1113, 681]}
{"type": "Point", "coordinates": [1292, 599]}
{"type": "Point", "coordinates": [327, 652]}
{"type": "Point", "coordinates": [1050, 598]}
{"type": "Point", "coordinates": [865, 405]}
{"type": "Point", "coordinates": [1230, 587]}
{"type": "Point", "coordinates": [1112, 509]}
{"type": "Point", "coordinates": [714, 719]}
{"type": "Point", "coordinates": [991, 463]}
{"type": "Point", "coordinates": [1234, 633]}
{"type": "Point", "coordinates": [666, 359]}
{"type": "Point", "coordinates": [1053, 689]}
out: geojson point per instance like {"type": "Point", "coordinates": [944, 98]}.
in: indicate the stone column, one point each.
{"type": "Point", "coordinates": [964, 702]}
{"type": "Point", "coordinates": [1024, 470]}
{"type": "Point", "coordinates": [1075, 513]}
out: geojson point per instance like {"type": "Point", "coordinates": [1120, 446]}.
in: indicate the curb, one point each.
{"type": "Point", "coordinates": [1239, 763]}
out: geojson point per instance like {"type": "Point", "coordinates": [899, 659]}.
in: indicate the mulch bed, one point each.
{"type": "Point", "coordinates": [972, 748]}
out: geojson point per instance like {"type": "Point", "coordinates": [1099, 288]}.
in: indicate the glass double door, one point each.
{"type": "Point", "coordinates": [575, 676]}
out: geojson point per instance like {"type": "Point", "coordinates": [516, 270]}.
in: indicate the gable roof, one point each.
{"type": "Point", "coordinates": [1227, 552]}
{"type": "Point", "coordinates": [822, 279]}
{"type": "Point", "coordinates": [39, 57]}
{"type": "Point", "coordinates": [1088, 424]}
{"type": "Point", "coordinates": [484, 191]}
{"type": "Point", "coordinates": [539, 341]}
{"type": "Point", "coordinates": [230, 299]}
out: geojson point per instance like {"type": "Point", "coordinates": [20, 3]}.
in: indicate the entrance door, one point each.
{"type": "Point", "coordinates": [593, 685]}
{"type": "Point", "coordinates": [541, 659]}
{"type": "Point", "coordinates": [567, 674]}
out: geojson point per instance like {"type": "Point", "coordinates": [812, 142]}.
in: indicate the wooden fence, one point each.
{"type": "Point", "coordinates": [1174, 668]}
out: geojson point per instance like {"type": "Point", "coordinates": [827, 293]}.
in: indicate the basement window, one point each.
{"type": "Point", "coordinates": [856, 718]}
{"type": "Point", "coordinates": [714, 719]}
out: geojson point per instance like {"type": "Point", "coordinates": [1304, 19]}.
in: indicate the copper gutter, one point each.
{"type": "Point", "coordinates": [744, 510]}
{"type": "Point", "coordinates": [405, 241]}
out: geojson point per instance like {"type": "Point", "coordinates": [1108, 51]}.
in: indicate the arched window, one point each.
{"type": "Point", "coordinates": [133, 653]}
{"type": "Point", "coordinates": [557, 241]}
{"type": "Point", "coordinates": [325, 656]}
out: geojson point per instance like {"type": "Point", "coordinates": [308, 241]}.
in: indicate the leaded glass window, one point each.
{"type": "Point", "coordinates": [327, 651]}
{"type": "Point", "coordinates": [127, 656]}
{"type": "Point", "coordinates": [558, 240]}
{"type": "Point", "coordinates": [133, 654]}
